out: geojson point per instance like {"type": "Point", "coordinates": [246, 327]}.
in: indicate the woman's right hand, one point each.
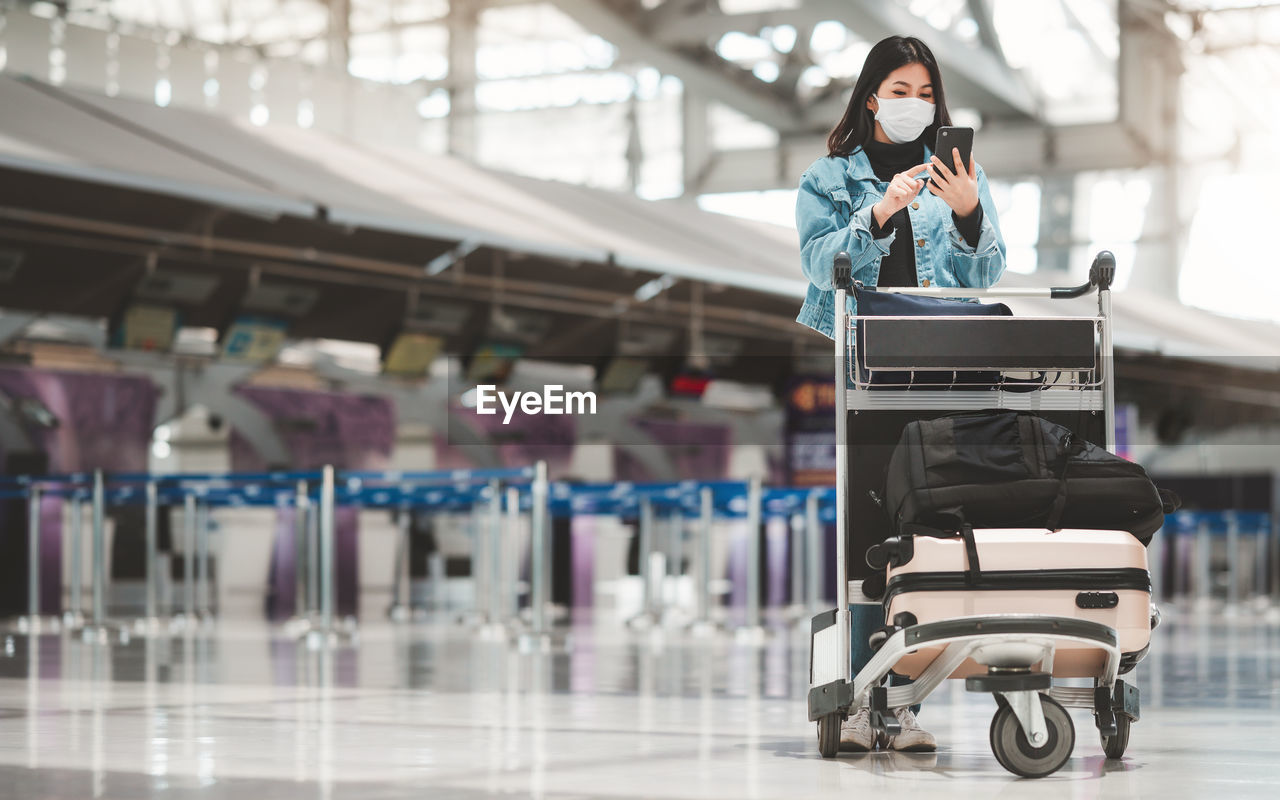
{"type": "Point", "coordinates": [902, 190]}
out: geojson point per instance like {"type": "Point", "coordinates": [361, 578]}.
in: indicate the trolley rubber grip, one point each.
{"type": "Point", "coordinates": [842, 270]}
{"type": "Point", "coordinates": [1102, 272]}
{"type": "Point", "coordinates": [1070, 292]}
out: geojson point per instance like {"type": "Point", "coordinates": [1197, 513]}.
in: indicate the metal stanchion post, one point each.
{"type": "Point", "coordinates": [313, 559]}
{"type": "Point", "coordinates": [538, 567]}
{"type": "Point", "coordinates": [796, 531]}
{"type": "Point", "coordinates": [99, 555]}
{"type": "Point", "coordinates": [752, 630]}
{"type": "Point", "coordinates": [479, 573]}
{"type": "Point", "coordinates": [1204, 551]}
{"type": "Point", "coordinates": [645, 564]}
{"type": "Point", "coordinates": [32, 621]}
{"type": "Point", "coordinates": [326, 550]}
{"type": "Point", "coordinates": [1233, 558]}
{"type": "Point", "coordinates": [548, 566]}
{"type": "Point", "coordinates": [188, 561]}
{"type": "Point", "coordinates": [814, 551]}
{"type": "Point", "coordinates": [539, 637]}
{"type": "Point", "coordinates": [75, 615]}
{"type": "Point", "coordinates": [675, 555]}
{"type": "Point", "coordinates": [1179, 559]}
{"type": "Point", "coordinates": [301, 504]}
{"type": "Point", "coordinates": [511, 558]}
{"type": "Point", "coordinates": [706, 512]}
{"type": "Point", "coordinates": [152, 615]}
{"type": "Point", "coordinates": [1260, 562]}
{"type": "Point", "coordinates": [400, 611]}
{"type": "Point", "coordinates": [204, 592]}
{"type": "Point", "coordinates": [1273, 556]}
{"type": "Point", "coordinates": [494, 528]}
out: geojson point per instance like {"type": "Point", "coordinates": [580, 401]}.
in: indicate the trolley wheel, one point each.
{"type": "Point", "coordinates": [881, 741]}
{"type": "Point", "coordinates": [1016, 754]}
{"type": "Point", "coordinates": [829, 735]}
{"type": "Point", "coordinates": [1114, 746]}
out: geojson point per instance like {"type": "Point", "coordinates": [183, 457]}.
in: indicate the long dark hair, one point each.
{"type": "Point", "coordinates": [858, 125]}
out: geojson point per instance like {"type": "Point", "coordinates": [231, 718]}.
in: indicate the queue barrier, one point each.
{"type": "Point", "coordinates": [315, 492]}
{"type": "Point", "coordinates": [498, 500]}
{"type": "Point", "coordinates": [1197, 552]}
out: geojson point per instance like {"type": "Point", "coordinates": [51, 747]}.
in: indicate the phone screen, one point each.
{"type": "Point", "coordinates": [949, 138]}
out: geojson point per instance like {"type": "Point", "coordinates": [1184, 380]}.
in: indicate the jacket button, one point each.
{"type": "Point", "coordinates": [915, 205]}
{"type": "Point", "coordinates": [919, 242]}
{"type": "Point", "coordinates": [926, 283]}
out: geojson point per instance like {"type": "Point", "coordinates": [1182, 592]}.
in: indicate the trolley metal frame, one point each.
{"type": "Point", "coordinates": [834, 693]}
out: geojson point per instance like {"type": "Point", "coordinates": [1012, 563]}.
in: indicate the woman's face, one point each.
{"type": "Point", "coordinates": [913, 80]}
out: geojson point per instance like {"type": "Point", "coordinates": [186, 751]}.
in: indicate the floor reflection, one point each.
{"type": "Point", "coordinates": [241, 708]}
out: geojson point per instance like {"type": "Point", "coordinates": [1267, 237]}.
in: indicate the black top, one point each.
{"type": "Point", "coordinates": [898, 268]}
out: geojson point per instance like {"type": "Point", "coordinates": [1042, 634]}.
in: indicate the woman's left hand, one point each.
{"type": "Point", "coordinates": [957, 189]}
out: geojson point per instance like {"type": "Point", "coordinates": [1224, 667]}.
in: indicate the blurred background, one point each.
{"type": "Point", "coordinates": [279, 234]}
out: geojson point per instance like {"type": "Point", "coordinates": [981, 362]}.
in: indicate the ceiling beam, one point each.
{"type": "Point", "coordinates": [714, 83]}
{"type": "Point", "coordinates": [1077, 24]}
{"type": "Point", "coordinates": [705, 27]}
{"type": "Point", "coordinates": [976, 76]}
{"type": "Point", "coordinates": [980, 10]}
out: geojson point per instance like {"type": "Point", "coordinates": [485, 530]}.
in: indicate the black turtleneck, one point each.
{"type": "Point", "coordinates": [898, 268]}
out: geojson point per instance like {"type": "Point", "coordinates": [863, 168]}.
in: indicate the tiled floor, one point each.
{"type": "Point", "coordinates": [429, 710]}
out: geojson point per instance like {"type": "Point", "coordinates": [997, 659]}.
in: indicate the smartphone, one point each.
{"type": "Point", "coordinates": [949, 138]}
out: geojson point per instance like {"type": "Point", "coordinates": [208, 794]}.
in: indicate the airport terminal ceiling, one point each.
{"type": "Point", "coordinates": [373, 226]}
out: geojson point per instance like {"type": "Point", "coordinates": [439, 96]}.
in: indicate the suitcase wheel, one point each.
{"type": "Point", "coordinates": [1016, 754]}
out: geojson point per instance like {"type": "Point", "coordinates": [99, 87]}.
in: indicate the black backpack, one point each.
{"type": "Point", "coordinates": [1008, 469]}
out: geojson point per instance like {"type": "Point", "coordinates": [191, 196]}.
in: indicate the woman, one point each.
{"type": "Point", "coordinates": [865, 198]}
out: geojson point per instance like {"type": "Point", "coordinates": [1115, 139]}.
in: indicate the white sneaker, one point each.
{"type": "Point", "coordinates": [856, 735]}
{"type": "Point", "coordinates": [913, 738]}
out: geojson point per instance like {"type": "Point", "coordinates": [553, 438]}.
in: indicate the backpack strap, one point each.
{"type": "Point", "coordinates": [958, 526]}
{"type": "Point", "coordinates": [973, 572]}
{"type": "Point", "coordinates": [1073, 448]}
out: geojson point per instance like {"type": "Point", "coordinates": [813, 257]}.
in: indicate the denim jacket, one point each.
{"type": "Point", "coordinates": [833, 213]}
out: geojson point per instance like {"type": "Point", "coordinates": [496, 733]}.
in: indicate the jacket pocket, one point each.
{"type": "Point", "coordinates": [848, 203]}
{"type": "Point", "coordinates": [842, 204]}
{"type": "Point", "coordinates": [840, 197]}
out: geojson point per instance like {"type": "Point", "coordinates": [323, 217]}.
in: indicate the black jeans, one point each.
{"type": "Point", "coordinates": [864, 620]}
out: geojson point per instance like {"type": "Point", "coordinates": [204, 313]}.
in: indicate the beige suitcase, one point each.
{"type": "Point", "coordinates": [1100, 576]}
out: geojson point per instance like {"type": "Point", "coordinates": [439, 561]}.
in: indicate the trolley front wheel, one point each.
{"type": "Point", "coordinates": [829, 735]}
{"type": "Point", "coordinates": [1015, 752]}
{"type": "Point", "coordinates": [1114, 746]}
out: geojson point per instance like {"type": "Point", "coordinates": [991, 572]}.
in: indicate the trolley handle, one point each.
{"type": "Point", "coordinates": [1101, 275]}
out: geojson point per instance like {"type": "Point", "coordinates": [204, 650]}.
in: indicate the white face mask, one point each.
{"type": "Point", "coordinates": [904, 118]}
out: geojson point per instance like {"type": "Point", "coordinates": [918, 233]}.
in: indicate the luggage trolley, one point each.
{"type": "Point", "coordinates": [1031, 734]}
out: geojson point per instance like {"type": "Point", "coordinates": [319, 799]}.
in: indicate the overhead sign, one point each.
{"type": "Point", "coordinates": [254, 340]}
{"type": "Point", "coordinates": [147, 327]}
{"type": "Point", "coordinates": [411, 354]}
{"type": "Point", "coordinates": [810, 432]}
